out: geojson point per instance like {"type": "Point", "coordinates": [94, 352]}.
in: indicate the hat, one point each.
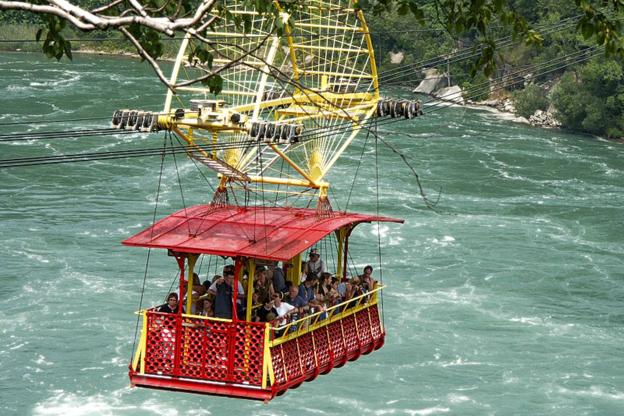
{"type": "Point", "coordinates": [260, 269]}
{"type": "Point", "coordinates": [314, 252]}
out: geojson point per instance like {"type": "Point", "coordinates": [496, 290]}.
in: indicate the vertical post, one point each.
{"type": "Point", "coordinates": [341, 236]}
{"type": "Point", "coordinates": [215, 138]}
{"type": "Point", "coordinates": [346, 254]}
{"type": "Point", "coordinates": [180, 259]}
{"type": "Point", "coordinates": [266, 356]}
{"type": "Point", "coordinates": [238, 268]}
{"type": "Point", "coordinates": [192, 259]}
{"type": "Point", "coordinates": [252, 273]}
{"type": "Point", "coordinates": [178, 322]}
{"type": "Point", "coordinates": [294, 272]}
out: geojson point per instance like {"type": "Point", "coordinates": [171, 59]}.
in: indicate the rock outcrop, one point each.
{"type": "Point", "coordinates": [433, 80]}
{"type": "Point", "coordinates": [396, 58]}
{"type": "Point", "coordinates": [544, 119]}
{"type": "Point", "coordinates": [453, 94]}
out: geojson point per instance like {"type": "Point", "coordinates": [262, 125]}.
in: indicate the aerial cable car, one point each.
{"type": "Point", "coordinates": [290, 106]}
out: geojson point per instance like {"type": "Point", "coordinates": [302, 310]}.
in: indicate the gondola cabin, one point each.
{"type": "Point", "coordinates": [237, 357]}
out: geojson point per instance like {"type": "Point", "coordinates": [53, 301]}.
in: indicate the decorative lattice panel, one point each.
{"type": "Point", "coordinates": [364, 328]}
{"type": "Point", "coordinates": [207, 350]}
{"type": "Point", "coordinates": [306, 352]}
{"type": "Point", "coordinates": [160, 348]}
{"type": "Point", "coordinates": [375, 324]}
{"type": "Point", "coordinates": [322, 347]}
{"type": "Point", "coordinates": [278, 365]}
{"type": "Point", "coordinates": [248, 354]}
{"type": "Point", "coordinates": [291, 360]}
{"type": "Point", "coordinates": [350, 334]}
{"type": "Point", "coordinates": [325, 347]}
{"type": "Point", "coordinates": [336, 340]}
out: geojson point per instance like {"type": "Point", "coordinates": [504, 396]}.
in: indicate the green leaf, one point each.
{"type": "Point", "coordinates": [67, 48]}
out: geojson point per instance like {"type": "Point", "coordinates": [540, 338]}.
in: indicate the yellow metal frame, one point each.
{"type": "Point", "coordinates": [304, 104]}
{"type": "Point", "coordinates": [139, 355]}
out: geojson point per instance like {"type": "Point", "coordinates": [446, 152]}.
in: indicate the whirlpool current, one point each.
{"type": "Point", "coordinates": [508, 299]}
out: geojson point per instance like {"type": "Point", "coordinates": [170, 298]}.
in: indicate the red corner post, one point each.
{"type": "Point", "coordinates": [180, 258]}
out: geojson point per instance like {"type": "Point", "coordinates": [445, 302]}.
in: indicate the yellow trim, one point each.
{"type": "Point", "coordinates": [346, 143]}
{"type": "Point", "coordinates": [371, 52]}
{"type": "Point", "coordinates": [294, 272]}
{"type": "Point", "coordinates": [286, 181]}
{"type": "Point", "coordinates": [319, 26]}
{"type": "Point", "coordinates": [192, 259]}
{"type": "Point", "coordinates": [207, 318]}
{"type": "Point", "coordinates": [267, 356]}
{"type": "Point", "coordinates": [329, 48]}
{"type": "Point", "coordinates": [296, 167]}
{"type": "Point", "coordinates": [250, 278]}
{"type": "Point", "coordinates": [174, 72]}
{"type": "Point", "coordinates": [289, 41]}
{"type": "Point", "coordinates": [139, 356]}
{"type": "Point", "coordinates": [341, 237]}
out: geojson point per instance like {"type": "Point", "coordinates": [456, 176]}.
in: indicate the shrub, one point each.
{"type": "Point", "coordinates": [594, 100]}
{"type": "Point", "coordinates": [529, 100]}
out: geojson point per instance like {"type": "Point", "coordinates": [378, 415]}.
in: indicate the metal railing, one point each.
{"type": "Point", "coordinates": [301, 326]}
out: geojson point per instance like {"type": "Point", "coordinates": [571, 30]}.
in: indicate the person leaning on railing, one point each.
{"type": "Point", "coordinates": [171, 306]}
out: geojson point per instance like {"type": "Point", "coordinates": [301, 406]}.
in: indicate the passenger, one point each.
{"type": "Point", "coordinates": [222, 289]}
{"type": "Point", "coordinates": [354, 289]}
{"type": "Point", "coordinates": [197, 286]}
{"type": "Point", "coordinates": [171, 306]}
{"type": "Point", "coordinates": [284, 309]}
{"type": "Point", "coordinates": [368, 283]}
{"type": "Point", "coordinates": [262, 285]}
{"type": "Point", "coordinates": [207, 283]}
{"type": "Point", "coordinates": [294, 299]}
{"type": "Point", "coordinates": [307, 290]}
{"type": "Point", "coordinates": [208, 309]}
{"type": "Point", "coordinates": [267, 312]}
{"type": "Point", "coordinates": [277, 277]}
{"type": "Point", "coordinates": [315, 264]}
{"type": "Point", "coordinates": [324, 287]}
{"type": "Point", "coordinates": [230, 268]}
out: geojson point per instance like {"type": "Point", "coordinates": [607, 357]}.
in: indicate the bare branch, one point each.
{"type": "Point", "coordinates": [146, 56]}
{"type": "Point", "coordinates": [106, 7]}
{"type": "Point", "coordinates": [18, 5]}
{"type": "Point", "coordinates": [89, 21]}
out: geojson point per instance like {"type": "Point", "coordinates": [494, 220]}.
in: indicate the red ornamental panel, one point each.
{"type": "Point", "coordinates": [303, 358]}
{"type": "Point", "coordinates": [375, 325]}
{"type": "Point", "coordinates": [278, 365]}
{"type": "Point", "coordinates": [364, 327]}
{"type": "Point", "coordinates": [226, 358]}
{"type": "Point", "coordinates": [321, 342]}
{"type": "Point", "coordinates": [350, 333]}
{"type": "Point", "coordinates": [160, 348]}
{"type": "Point", "coordinates": [248, 354]}
{"type": "Point", "coordinates": [203, 349]}
{"type": "Point", "coordinates": [306, 353]}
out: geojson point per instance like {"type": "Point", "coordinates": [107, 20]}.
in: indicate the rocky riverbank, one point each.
{"type": "Point", "coordinates": [437, 85]}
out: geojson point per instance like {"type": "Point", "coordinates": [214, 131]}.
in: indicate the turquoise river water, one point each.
{"type": "Point", "coordinates": [507, 301]}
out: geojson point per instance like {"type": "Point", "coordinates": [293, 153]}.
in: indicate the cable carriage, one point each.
{"type": "Point", "coordinates": [290, 106]}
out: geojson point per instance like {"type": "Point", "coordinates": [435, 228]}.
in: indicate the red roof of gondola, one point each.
{"type": "Point", "coordinates": [274, 233]}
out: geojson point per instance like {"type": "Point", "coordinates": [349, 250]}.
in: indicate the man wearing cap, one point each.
{"type": "Point", "coordinates": [315, 264]}
{"type": "Point", "coordinates": [222, 289]}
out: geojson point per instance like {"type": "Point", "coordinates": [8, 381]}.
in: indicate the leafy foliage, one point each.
{"type": "Point", "coordinates": [592, 100]}
{"type": "Point", "coordinates": [529, 100]}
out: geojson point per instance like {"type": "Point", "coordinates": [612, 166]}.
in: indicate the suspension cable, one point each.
{"type": "Point", "coordinates": [149, 251]}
